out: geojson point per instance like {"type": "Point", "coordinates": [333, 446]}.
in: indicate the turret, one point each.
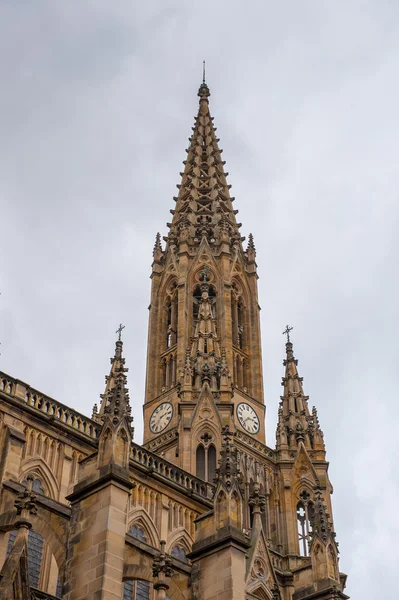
{"type": "Point", "coordinates": [115, 414]}
{"type": "Point", "coordinates": [295, 422]}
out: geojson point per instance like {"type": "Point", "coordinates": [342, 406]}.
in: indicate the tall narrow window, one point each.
{"type": "Point", "coordinates": [58, 592]}
{"type": "Point", "coordinates": [200, 462]}
{"type": "Point", "coordinates": [169, 324]}
{"type": "Point", "coordinates": [164, 373]}
{"type": "Point", "coordinates": [206, 459]}
{"type": "Point", "coordinates": [211, 463]}
{"type": "Point", "coordinates": [234, 317]}
{"type": "Point", "coordinates": [304, 522]}
{"type": "Point", "coordinates": [171, 317]}
{"type": "Point", "coordinates": [240, 325]}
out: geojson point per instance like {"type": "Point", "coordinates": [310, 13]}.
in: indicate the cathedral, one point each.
{"type": "Point", "coordinates": [204, 509]}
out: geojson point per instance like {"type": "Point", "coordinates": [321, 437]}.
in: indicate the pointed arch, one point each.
{"type": "Point", "coordinates": [37, 466]}
{"type": "Point", "coordinates": [44, 526]}
{"type": "Point", "coordinates": [332, 563]}
{"type": "Point", "coordinates": [235, 510]}
{"type": "Point", "coordinates": [142, 519]}
{"type": "Point", "coordinates": [180, 536]}
{"type": "Point", "coordinates": [260, 590]}
{"type": "Point", "coordinates": [105, 447]}
{"type": "Point", "coordinates": [320, 561]}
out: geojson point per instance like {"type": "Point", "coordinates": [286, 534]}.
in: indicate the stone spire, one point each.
{"type": "Point", "coordinates": [115, 400]}
{"type": "Point", "coordinates": [295, 423]}
{"type": "Point", "coordinates": [203, 206]}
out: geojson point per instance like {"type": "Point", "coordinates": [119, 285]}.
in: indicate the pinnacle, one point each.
{"type": "Point", "coordinates": [158, 244]}
{"type": "Point", "coordinates": [251, 243]}
{"type": "Point", "coordinates": [321, 524]}
{"type": "Point", "coordinates": [115, 400]}
{"type": "Point", "coordinates": [296, 423]}
{"type": "Point", "coordinates": [228, 471]}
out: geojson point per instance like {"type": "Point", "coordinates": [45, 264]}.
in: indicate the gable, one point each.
{"type": "Point", "coordinates": [260, 570]}
{"type": "Point", "coordinates": [206, 415]}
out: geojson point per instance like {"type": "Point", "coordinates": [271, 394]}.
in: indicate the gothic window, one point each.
{"type": "Point", "coordinates": [36, 485]}
{"type": "Point", "coordinates": [137, 532]}
{"type": "Point", "coordinates": [200, 462]}
{"type": "Point", "coordinates": [304, 522]}
{"type": "Point", "coordinates": [206, 460]}
{"type": "Point", "coordinates": [35, 554]}
{"type": "Point", "coordinates": [164, 373]}
{"type": "Point", "coordinates": [240, 325]}
{"type": "Point", "coordinates": [171, 317]}
{"type": "Point", "coordinates": [180, 553]}
{"type": "Point", "coordinates": [58, 592]}
{"type": "Point", "coordinates": [196, 303]}
{"type": "Point", "coordinates": [211, 463]}
{"type": "Point", "coordinates": [136, 590]}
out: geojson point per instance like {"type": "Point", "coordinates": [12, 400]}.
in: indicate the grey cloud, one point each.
{"type": "Point", "coordinates": [97, 103]}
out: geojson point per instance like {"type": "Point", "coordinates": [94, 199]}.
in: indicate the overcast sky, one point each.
{"type": "Point", "coordinates": [97, 103]}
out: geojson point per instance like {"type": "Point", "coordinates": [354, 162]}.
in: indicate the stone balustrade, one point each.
{"type": "Point", "coordinates": [50, 407]}
{"type": "Point", "coordinates": [156, 465]}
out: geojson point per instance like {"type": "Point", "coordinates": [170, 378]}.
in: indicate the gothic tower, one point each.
{"type": "Point", "coordinates": [204, 363]}
{"type": "Point", "coordinates": [204, 398]}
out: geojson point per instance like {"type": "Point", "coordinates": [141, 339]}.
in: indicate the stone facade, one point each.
{"type": "Point", "coordinates": [204, 509]}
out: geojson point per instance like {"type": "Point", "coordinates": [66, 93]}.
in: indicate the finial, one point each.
{"type": "Point", "coordinates": [158, 244]}
{"type": "Point", "coordinates": [119, 332]}
{"type": "Point", "coordinates": [203, 91]}
{"type": "Point", "coordinates": [287, 333]}
{"type": "Point", "coordinates": [251, 243]}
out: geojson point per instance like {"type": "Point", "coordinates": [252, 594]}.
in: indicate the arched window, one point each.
{"type": "Point", "coordinates": [138, 532]}
{"type": "Point", "coordinates": [304, 522]}
{"type": "Point", "coordinates": [164, 365]}
{"type": "Point", "coordinates": [36, 485]}
{"type": "Point", "coordinates": [58, 592]}
{"type": "Point", "coordinates": [240, 325]}
{"type": "Point", "coordinates": [211, 463]}
{"type": "Point", "coordinates": [196, 303]}
{"type": "Point", "coordinates": [200, 462]}
{"type": "Point", "coordinates": [171, 316]}
{"type": "Point", "coordinates": [35, 554]}
{"type": "Point", "coordinates": [206, 460]}
{"type": "Point", "coordinates": [179, 552]}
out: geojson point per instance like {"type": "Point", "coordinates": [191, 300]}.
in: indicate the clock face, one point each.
{"type": "Point", "coordinates": [161, 417]}
{"type": "Point", "coordinates": [248, 418]}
